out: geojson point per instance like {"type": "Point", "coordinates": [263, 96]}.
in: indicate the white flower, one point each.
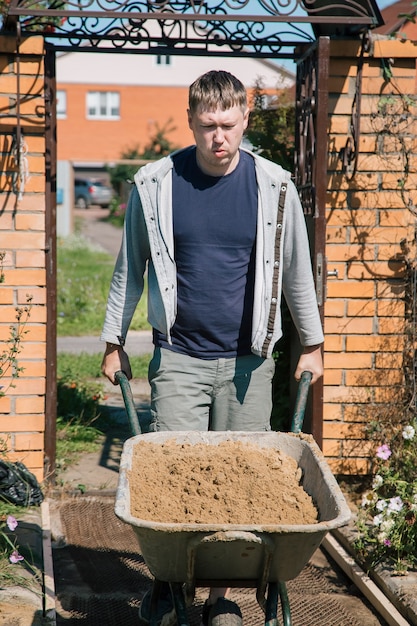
{"type": "Point", "coordinates": [395, 505]}
{"type": "Point", "coordinates": [384, 530]}
{"type": "Point", "coordinates": [409, 432]}
{"type": "Point", "coordinates": [383, 538]}
{"type": "Point", "coordinates": [377, 482]}
{"type": "Point", "coordinates": [369, 498]}
{"type": "Point", "coordinates": [381, 505]}
{"type": "Point", "coordinates": [387, 525]}
{"type": "Point", "coordinates": [378, 519]}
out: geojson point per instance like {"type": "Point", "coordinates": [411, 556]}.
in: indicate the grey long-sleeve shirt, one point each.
{"type": "Point", "coordinates": [148, 242]}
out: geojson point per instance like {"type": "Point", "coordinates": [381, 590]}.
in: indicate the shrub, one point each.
{"type": "Point", "coordinates": [79, 415]}
{"type": "Point", "coordinates": [78, 399]}
{"type": "Point", "coordinates": [117, 212]}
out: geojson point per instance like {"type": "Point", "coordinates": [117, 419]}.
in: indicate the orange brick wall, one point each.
{"type": "Point", "coordinates": [22, 238]}
{"type": "Point", "coordinates": [367, 219]}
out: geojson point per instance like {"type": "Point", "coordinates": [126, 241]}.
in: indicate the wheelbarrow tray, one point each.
{"type": "Point", "coordinates": [237, 553]}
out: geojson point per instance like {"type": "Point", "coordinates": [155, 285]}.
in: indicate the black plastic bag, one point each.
{"type": "Point", "coordinates": [18, 485]}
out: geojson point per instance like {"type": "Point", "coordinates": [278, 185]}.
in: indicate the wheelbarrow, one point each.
{"type": "Point", "coordinates": [257, 556]}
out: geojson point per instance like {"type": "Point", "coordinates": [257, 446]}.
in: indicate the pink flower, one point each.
{"type": "Point", "coordinates": [11, 522]}
{"type": "Point", "coordinates": [383, 452]}
{"type": "Point", "coordinates": [15, 557]}
{"type": "Point", "coordinates": [387, 543]}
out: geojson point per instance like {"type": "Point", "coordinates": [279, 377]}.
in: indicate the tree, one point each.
{"type": "Point", "coordinates": [158, 146]}
{"type": "Point", "coordinates": [124, 172]}
{"type": "Point", "coordinates": [272, 126]}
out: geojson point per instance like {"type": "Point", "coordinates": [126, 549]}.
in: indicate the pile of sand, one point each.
{"type": "Point", "coordinates": [233, 482]}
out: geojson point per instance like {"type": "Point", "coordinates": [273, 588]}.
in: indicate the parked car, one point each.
{"type": "Point", "coordinates": [88, 191]}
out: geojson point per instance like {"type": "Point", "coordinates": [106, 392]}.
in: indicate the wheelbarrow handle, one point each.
{"type": "Point", "coordinates": [122, 380]}
{"type": "Point", "coordinates": [301, 402]}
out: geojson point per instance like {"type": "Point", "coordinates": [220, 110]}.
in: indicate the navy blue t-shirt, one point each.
{"type": "Point", "coordinates": [214, 221]}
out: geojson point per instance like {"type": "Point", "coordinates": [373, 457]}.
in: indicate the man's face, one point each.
{"type": "Point", "coordinates": [217, 136]}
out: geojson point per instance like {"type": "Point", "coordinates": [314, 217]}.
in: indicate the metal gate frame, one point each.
{"type": "Point", "coordinates": [50, 263]}
{"type": "Point", "coordinates": [311, 180]}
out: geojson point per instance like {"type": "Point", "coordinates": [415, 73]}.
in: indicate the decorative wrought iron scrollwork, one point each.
{"type": "Point", "coordinates": [238, 27]}
{"type": "Point", "coordinates": [305, 138]}
{"type": "Point", "coordinates": [350, 152]}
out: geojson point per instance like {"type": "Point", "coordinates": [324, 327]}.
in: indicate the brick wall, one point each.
{"type": "Point", "coordinates": [22, 238]}
{"type": "Point", "coordinates": [369, 226]}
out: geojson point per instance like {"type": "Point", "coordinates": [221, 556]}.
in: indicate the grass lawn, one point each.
{"type": "Point", "coordinates": [83, 281]}
{"type": "Point", "coordinates": [87, 366]}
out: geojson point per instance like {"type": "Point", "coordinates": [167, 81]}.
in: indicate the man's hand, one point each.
{"type": "Point", "coordinates": [114, 360]}
{"type": "Point", "coordinates": [310, 361]}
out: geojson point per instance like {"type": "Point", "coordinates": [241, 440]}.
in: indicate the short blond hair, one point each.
{"type": "Point", "coordinates": [216, 89]}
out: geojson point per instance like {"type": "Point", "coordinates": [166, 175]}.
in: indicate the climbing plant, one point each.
{"type": "Point", "coordinates": [9, 365]}
{"type": "Point", "coordinates": [387, 519]}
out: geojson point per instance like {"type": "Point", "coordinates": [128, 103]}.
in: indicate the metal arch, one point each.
{"type": "Point", "coordinates": [268, 28]}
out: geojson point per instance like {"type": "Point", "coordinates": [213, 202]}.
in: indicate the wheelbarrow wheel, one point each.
{"type": "Point", "coordinates": [224, 612]}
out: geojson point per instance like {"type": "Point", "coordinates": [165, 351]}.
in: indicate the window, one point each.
{"type": "Point", "coordinates": [103, 105]}
{"type": "Point", "coordinates": [163, 59]}
{"type": "Point", "coordinates": [61, 103]}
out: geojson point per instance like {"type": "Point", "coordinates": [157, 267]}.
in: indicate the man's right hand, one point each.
{"type": "Point", "coordinates": [114, 360]}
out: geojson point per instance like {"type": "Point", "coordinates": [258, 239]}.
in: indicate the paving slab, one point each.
{"type": "Point", "coordinates": [138, 342]}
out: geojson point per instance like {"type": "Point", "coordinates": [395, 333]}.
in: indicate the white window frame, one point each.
{"type": "Point", "coordinates": [103, 105]}
{"type": "Point", "coordinates": [61, 104]}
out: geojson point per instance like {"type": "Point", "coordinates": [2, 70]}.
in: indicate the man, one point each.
{"type": "Point", "coordinates": [222, 234]}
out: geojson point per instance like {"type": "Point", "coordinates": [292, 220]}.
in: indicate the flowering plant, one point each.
{"type": "Point", "coordinates": [9, 367]}
{"type": "Point", "coordinates": [29, 576]}
{"type": "Point", "coordinates": [387, 518]}
{"type": "Point", "coordinates": [6, 543]}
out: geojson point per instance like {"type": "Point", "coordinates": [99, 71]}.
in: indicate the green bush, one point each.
{"type": "Point", "coordinates": [78, 399]}
{"type": "Point", "coordinates": [117, 212]}
{"type": "Point", "coordinates": [79, 423]}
